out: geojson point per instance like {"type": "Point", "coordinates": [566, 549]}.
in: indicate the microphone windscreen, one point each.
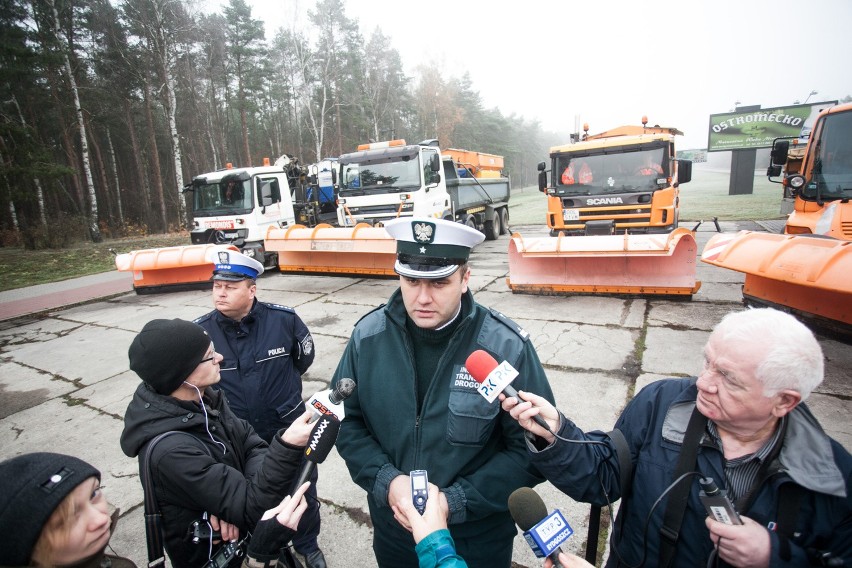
{"type": "Point", "coordinates": [342, 390]}
{"type": "Point", "coordinates": [479, 364]}
{"type": "Point", "coordinates": [322, 438]}
{"type": "Point", "coordinates": [526, 508]}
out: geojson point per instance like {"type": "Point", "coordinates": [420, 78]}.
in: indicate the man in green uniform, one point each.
{"type": "Point", "coordinates": [417, 407]}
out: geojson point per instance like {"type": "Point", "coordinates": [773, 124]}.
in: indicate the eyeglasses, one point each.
{"type": "Point", "coordinates": [211, 358]}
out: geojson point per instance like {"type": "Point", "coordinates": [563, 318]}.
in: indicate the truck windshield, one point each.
{"type": "Point", "coordinates": [832, 172]}
{"type": "Point", "coordinates": [592, 173]}
{"type": "Point", "coordinates": [385, 177]}
{"type": "Point", "coordinates": [223, 198]}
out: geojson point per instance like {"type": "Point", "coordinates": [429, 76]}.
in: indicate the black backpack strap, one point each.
{"type": "Point", "coordinates": [676, 505]}
{"type": "Point", "coordinates": [153, 517]}
{"type": "Point", "coordinates": [625, 475]}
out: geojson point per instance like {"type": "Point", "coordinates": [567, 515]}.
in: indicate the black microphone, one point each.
{"type": "Point", "coordinates": [341, 390]}
{"type": "Point", "coordinates": [320, 444]}
{"type": "Point", "coordinates": [329, 401]}
{"type": "Point", "coordinates": [491, 376]}
{"type": "Point", "coordinates": [542, 532]}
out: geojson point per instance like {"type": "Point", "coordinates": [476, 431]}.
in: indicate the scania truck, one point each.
{"type": "Point", "coordinates": [622, 180]}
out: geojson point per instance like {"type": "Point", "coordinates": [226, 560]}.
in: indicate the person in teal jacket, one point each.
{"type": "Point", "coordinates": [416, 406]}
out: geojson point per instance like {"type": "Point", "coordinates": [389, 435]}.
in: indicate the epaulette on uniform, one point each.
{"type": "Point", "coordinates": [280, 307]}
{"type": "Point", "coordinates": [204, 318]}
{"type": "Point", "coordinates": [379, 307]}
{"type": "Point", "coordinates": [499, 316]}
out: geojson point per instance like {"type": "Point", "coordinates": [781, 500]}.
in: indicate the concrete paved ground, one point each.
{"type": "Point", "coordinates": [65, 382]}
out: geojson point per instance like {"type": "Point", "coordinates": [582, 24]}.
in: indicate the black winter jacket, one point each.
{"type": "Point", "coordinates": [192, 475]}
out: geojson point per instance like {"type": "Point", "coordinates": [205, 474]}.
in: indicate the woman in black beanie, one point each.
{"type": "Point", "coordinates": [53, 513]}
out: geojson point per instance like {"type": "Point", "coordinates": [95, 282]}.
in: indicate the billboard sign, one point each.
{"type": "Point", "coordinates": [758, 128]}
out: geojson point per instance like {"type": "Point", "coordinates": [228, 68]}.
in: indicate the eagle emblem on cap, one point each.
{"type": "Point", "coordinates": [223, 257]}
{"type": "Point", "coordinates": [423, 232]}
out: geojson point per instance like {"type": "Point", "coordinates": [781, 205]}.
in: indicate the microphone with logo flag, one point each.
{"type": "Point", "coordinates": [544, 533]}
{"type": "Point", "coordinates": [494, 379]}
{"type": "Point", "coordinates": [330, 401]}
{"type": "Point", "coordinates": [319, 446]}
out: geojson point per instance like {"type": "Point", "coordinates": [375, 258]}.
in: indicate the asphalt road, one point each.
{"type": "Point", "coordinates": [65, 381]}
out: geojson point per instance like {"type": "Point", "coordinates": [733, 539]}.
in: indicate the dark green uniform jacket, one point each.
{"type": "Point", "coordinates": [473, 451]}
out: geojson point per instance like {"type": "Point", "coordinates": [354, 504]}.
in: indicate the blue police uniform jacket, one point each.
{"type": "Point", "coordinates": [654, 424]}
{"type": "Point", "coordinates": [265, 355]}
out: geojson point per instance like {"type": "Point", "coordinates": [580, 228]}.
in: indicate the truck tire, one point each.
{"type": "Point", "coordinates": [270, 260]}
{"type": "Point", "coordinates": [491, 229]}
{"type": "Point", "coordinates": [504, 220]}
{"type": "Point", "coordinates": [470, 221]}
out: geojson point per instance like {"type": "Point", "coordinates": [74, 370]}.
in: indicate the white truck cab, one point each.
{"type": "Point", "coordinates": [384, 180]}
{"type": "Point", "coordinates": [238, 205]}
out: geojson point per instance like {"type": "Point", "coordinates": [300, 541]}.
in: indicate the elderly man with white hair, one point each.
{"type": "Point", "coordinates": [742, 422]}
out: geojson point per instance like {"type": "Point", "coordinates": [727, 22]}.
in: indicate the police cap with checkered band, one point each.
{"type": "Point", "coordinates": [233, 266]}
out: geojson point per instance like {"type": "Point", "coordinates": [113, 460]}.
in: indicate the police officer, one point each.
{"type": "Point", "coordinates": [266, 349]}
{"type": "Point", "coordinates": [417, 407]}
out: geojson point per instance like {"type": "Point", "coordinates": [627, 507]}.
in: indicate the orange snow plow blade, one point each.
{"type": "Point", "coordinates": [810, 275]}
{"type": "Point", "coordinates": [170, 269]}
{"type": "Point", "coordinates": [361, 250]}
{"type": "Point", "coordinates": [609, 264]}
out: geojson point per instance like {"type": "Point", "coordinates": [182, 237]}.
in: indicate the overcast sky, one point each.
{"type": "Point", "coordinates": [607, 63]}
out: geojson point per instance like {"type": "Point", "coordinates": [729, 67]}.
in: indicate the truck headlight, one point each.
{"type": "Point", "coordinates": [796, 182]}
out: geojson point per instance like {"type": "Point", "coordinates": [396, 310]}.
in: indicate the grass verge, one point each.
{"type": "Point", "coordinates": [21, 268]}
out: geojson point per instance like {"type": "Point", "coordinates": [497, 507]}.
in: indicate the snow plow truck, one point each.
{"type": "Point", "coordinates": [806, 270]}
{"type": "Point", "coordinates": [259, 211]}
{"type": "Point", "coordinates": [612, 211]}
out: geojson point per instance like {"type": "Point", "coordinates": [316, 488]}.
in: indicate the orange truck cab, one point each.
{"type": "Point", "coordinates": [821, 185]}
{"type": "Point", "coordinates": [623, 180]}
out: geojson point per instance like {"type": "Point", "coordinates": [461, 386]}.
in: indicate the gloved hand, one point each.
{"type": "Point", "coordinates": [277, 526]}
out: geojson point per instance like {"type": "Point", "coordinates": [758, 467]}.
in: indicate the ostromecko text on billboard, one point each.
{"type": "Point", "coordinates": [758, 128]}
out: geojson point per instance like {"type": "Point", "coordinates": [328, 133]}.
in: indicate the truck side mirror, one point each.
{"type": "Point", "coordinates": [435, 165]}
{"type": "Point", "coordinates": [542, 176]}
{"type": "Point", "coordinates": [684, 171]}
{"type": "Point", "coordinates": [774, 170]}
{"type": "Point", "coordinates": [334, 177]}
{"type": "Point", "coordinates": [778, 155]}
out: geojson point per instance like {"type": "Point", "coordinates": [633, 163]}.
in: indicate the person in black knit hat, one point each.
{"type": "Point", "coordinates": [217, 471]}
{"type": "Point", "coordinates": [53, 513]}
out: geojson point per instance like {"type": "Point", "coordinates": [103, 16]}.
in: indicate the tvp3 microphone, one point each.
{"type": "Point", "coordinates": [330, 401]}
{"type": "Point", "coordinates": [319, 446]}
{"type": "Point", "coordinates": [494, 379]}
{"type": "Point", "coordinates": [544, 533]}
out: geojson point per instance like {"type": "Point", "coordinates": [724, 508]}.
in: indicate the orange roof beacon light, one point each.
{"type": "Point", "coordinates": [379, 145]}
{"type": "Point", "coordinates": [266, 161]}
{"type": "Point", "coordinates": [644, 121]}
{"type": "Point", "coordinates": [229, 166]}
